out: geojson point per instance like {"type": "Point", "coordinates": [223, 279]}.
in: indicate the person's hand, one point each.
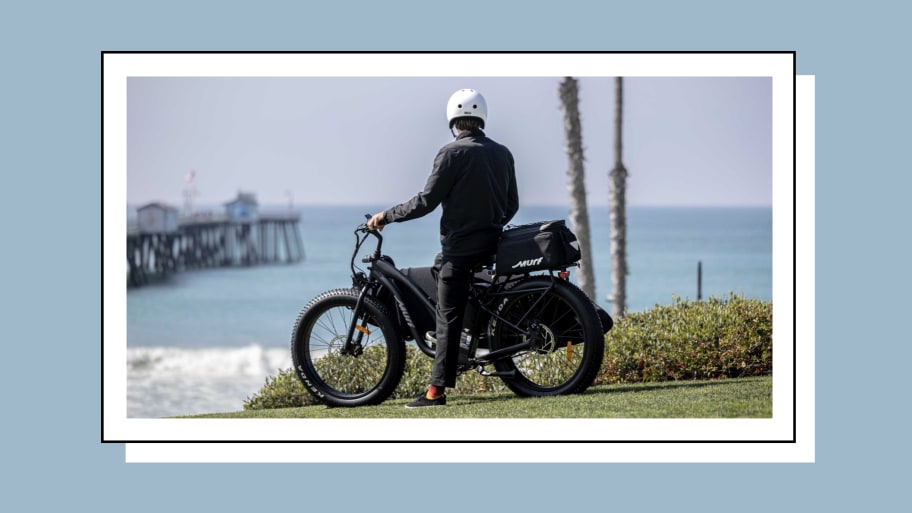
{"type": "Point", "coordinates": [376, 222]}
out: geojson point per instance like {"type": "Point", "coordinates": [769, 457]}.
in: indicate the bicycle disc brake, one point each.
{"type": "Point", "coordinates": [541, 337]}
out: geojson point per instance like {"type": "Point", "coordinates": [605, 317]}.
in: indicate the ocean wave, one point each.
{"type": "Point", "coordinates": [252, 360]}
{"type": "Point", "coordinates": [173, 381]}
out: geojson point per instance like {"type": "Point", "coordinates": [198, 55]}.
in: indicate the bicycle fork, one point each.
{"type": "Point", "coordinates": [353, 346]}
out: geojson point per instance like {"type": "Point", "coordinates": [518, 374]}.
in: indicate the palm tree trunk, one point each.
{"type": "Point", "coordinates": [618, 216]}
{"type": "Point", "coordinates": [579, 216]}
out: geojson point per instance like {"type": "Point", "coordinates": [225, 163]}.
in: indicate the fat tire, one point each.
{"type": "Point", "coordinates": [303, 345]}
{"type": "Point", "coordinates": [569, 300]}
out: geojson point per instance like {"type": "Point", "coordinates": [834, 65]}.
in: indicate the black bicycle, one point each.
{"type": "Point", "coordinates": [539, 333]}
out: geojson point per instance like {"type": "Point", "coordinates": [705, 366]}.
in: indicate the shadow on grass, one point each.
{"type": "Point", "coordinates": [470, 399]}
{"type": "Point", "coordinates": [665, 385]}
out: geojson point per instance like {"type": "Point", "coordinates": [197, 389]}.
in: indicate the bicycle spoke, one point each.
{"type": "Point", "coordinates": [558, 351]}
{"type": "Point", "coordinates": [345, 373]}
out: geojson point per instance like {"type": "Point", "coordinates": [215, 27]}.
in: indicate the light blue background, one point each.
{"type": "Point", "coordinates": [50, 259]}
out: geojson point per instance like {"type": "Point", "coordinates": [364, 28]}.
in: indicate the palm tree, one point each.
{"type": "Point", "coordinates": [579, 216]}
{"type": "Point", "coordinates": [618, 188]}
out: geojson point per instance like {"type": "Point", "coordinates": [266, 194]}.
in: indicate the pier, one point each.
{"type": "Point", "coordinates": [159, 243]}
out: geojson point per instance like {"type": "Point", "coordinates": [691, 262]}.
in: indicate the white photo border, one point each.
{"type": "Point", "coordinates": [787, 436]}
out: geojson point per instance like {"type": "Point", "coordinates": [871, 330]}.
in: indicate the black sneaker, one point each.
{"type": "Point", "coordinates": [423, 401]}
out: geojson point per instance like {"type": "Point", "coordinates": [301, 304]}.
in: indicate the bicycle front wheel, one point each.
{"type": "Point", "coordinates": [565, 333]}
{"type": "Point", "coordinates": [363, 372]}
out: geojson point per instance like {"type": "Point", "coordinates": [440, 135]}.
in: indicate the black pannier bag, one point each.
{"type": "Point", "coordinates": [535, 247]}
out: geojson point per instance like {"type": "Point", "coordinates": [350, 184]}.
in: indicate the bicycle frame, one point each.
{"type": "Point", "coordinates": [384, 276]}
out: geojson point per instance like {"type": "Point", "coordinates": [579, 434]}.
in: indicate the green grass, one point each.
{"type": "Point", "coordinates": [724, 398]}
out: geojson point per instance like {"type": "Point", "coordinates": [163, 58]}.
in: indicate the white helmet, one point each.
{"type": "Point", "coordinates": [467, 103]}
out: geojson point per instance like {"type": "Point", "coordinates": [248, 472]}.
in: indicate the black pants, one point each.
{"type": "Point", "coordinates": [454, 274]}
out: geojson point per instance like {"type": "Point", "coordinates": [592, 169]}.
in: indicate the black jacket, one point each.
{"type": "Point", "coordinates": [475, 181]}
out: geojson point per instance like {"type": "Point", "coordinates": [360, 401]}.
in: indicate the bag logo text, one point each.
{"type": "Point", "coordinates": [528, 263]}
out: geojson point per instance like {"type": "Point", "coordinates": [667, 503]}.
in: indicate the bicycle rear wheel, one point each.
{"type": "Point", "coordinates": [566, 335]}
{"type": "Point", "coordinates": [365, 373]}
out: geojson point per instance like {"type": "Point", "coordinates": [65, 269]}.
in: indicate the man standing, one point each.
{"type": "Point", "coordinates": [475, 182]}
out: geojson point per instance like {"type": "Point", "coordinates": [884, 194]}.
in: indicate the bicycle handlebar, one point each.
{"type": "Point", "coordinates": [359, 241]}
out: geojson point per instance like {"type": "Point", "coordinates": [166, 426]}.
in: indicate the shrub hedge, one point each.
{"type": "Point", "coordinates": [711, 339]}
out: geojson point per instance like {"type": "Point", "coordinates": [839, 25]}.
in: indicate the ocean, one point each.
{"type": "Point", "coordinates": [203, 341]}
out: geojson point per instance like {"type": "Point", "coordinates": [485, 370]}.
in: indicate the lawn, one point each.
{"type": "Point", "coordinates": [723, 398]}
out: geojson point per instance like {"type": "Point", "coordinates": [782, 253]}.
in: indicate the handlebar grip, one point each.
{"type": "Point", "coordinates": [363, 228]}
{"type": "Point", "coordinates": [366, 259]}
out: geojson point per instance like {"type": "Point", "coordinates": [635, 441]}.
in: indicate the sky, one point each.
{"type": "Point", "coordinates": [687, 141]}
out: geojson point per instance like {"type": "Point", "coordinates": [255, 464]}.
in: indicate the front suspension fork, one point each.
{"type": "Point", "coordinates": [353, 341]}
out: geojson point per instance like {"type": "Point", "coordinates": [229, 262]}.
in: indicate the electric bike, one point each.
{"type": "Point", "coordinates": [539, 333]}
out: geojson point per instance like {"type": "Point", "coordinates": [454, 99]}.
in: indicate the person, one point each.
{"type": "Point", "coordinates": [474, 181]}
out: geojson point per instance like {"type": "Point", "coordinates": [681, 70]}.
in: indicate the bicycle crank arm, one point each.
{"type": "Point", "coordinates": [502, 374]}
{"type": "Point", "coordinates": [505, 352]}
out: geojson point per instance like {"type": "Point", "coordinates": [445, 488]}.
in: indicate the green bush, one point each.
{"type": "Point", "coordinates": [283, 391]}
{"type": "Point", "coordinates": [709, 339]}
{"type": "Point", "coordinates": [286, 391]}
